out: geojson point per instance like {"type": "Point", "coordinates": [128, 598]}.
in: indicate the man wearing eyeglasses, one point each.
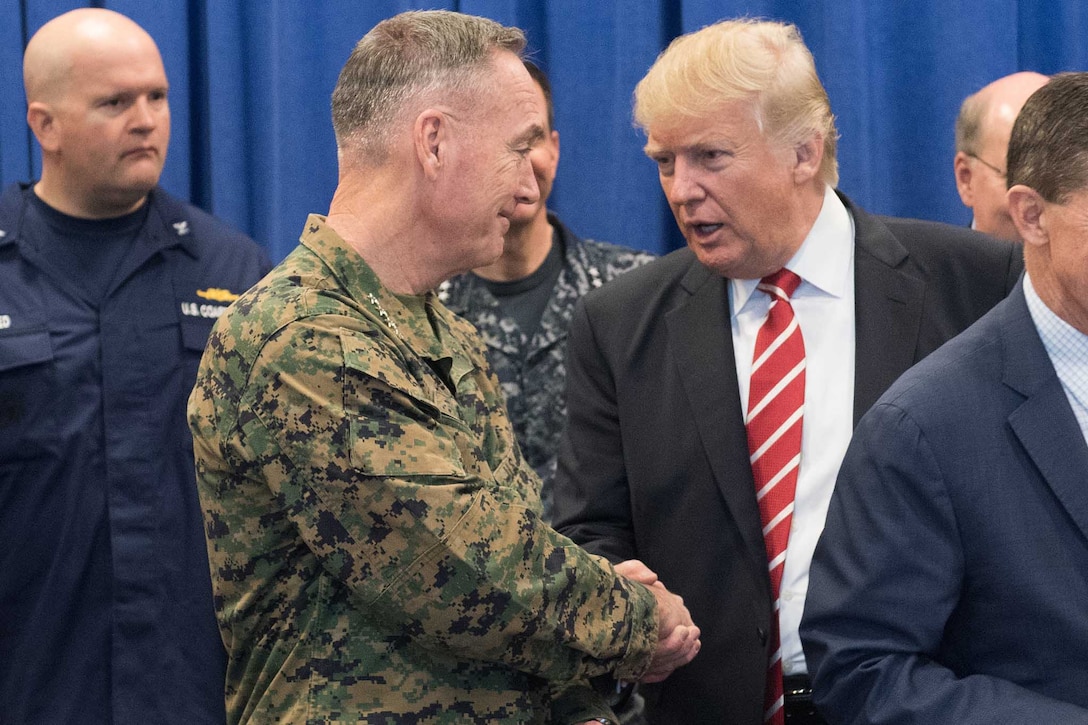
{"type": "Point", "coordinates": [982, 139]}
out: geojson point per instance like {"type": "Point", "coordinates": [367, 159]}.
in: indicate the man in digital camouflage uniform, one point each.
{"type": "Point", "coordinates": [522, 304]}
{"type": "Point", "coordinates": [375, 536]}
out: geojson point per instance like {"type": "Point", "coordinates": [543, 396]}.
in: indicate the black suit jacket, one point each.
{"type": "Point", "coordinates": [654, 463]}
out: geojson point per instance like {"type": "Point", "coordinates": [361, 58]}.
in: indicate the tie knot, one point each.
{"type": "Point", "coordinates": [782, 283]}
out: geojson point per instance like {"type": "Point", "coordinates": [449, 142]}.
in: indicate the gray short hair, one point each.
{"type": "Point", "coordinates": [411, 56]}
{"type": "Point", "coordinates": [969, 124]}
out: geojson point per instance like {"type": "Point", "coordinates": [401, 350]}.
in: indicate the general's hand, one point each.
{"type": "Point", "coordinates": [678, 637]}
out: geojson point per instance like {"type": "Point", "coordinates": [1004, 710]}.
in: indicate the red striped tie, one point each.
{"type": "Point", "coordinates": [776, 398]}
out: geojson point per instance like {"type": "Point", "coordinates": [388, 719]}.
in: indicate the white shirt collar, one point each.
{"type": "Point", "coordinates": [823, 262]}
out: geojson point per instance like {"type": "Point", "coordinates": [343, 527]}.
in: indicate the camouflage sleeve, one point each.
{"type": "Point", "coordinates": [387, 487]}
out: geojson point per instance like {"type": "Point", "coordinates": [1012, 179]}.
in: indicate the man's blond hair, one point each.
{"type": "Point", "coordinates": [735, 60]}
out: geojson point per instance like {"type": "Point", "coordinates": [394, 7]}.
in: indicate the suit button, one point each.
{"type": "Point", "coordinates": [762, 634]}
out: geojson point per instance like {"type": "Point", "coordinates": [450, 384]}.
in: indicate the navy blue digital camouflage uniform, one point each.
{"type": "Point", "coordinates": [105, 599]}
{"type": "Point", "coordinates": [531, 367]}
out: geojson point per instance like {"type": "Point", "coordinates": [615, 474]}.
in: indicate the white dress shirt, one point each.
{"type": "Point", "coordinates": [824, 307]}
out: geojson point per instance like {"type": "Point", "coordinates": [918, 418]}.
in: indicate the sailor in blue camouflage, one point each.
{"type": "Point", "coordinates": [374, 532]}
{"type": "Point", "coordinates": [531, 365]}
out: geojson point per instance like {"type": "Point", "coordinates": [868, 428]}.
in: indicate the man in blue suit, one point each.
{"type": "Point", "coordinates": [951, 581]}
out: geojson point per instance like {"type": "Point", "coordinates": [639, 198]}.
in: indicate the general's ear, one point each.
{"type": "Point", "coordinates": [430, 135]}
{"type": "Point", "coordinates": [1028, 212]}
{"type": "Point", "coordinates": [553, 137]}
{"type": "Point", "coordinates": [42, 121]}
{"type": "Point", "coordinates": [809, 154]}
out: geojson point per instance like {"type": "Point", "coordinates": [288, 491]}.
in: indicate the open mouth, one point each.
{"type": "Point", "coordinates": [704, 230]}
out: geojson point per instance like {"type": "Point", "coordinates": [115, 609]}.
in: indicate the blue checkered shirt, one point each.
{"type": "Point", "coordinates": [1068, 351]}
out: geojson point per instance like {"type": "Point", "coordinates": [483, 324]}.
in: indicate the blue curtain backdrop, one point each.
{"type": "Point", "coordinates": [250, 83]}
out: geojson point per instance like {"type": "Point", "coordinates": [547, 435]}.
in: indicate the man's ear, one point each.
{"type": "Point", "coordinates": [809, 155]}
{"type": "Point", "coordinates": [430, 134]}
{"type": "Point", "coordinates": [1028, 212]}
{"type": "Point", "coordinates": [42, 121]}
{"type": "Point", "coordinates": [962, 167]}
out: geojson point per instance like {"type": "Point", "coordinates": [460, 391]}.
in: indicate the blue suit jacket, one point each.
{"type": "Point", "coordinates": [951, 582]}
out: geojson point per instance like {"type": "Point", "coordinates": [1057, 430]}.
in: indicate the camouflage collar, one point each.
{"type": "Point", "coordinates": [360, 283]}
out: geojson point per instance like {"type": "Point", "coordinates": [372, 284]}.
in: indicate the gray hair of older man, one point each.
{"type": "Point", "coordinates": [969, 124]}
{"type": "Point", "coordinates": [407, 61]}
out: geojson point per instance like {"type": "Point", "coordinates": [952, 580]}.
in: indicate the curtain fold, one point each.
{"type": "Point", "coordinates": [251, 80]}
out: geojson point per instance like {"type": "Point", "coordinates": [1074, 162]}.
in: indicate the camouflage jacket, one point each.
{"type": "Point", "coordinates": [532, 371]}
{"type": "Point", "coordinates": [374, 534]}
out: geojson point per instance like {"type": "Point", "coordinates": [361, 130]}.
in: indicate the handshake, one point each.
{"type": "Point", "coordinates": [677, 636]}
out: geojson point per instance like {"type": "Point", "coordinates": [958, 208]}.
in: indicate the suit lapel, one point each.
{"type": "Point", "coordinates": [701, 344]}
{"type": "Point", "coordinates": [887, 310]}
{"type": "Point", "coordinates": [1044, 423]}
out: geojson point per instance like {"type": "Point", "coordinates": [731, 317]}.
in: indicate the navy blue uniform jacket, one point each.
{"type": "Point", "coordinates": [105, 595]}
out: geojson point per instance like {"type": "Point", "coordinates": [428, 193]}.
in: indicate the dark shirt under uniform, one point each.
{"type": "Point", "coordinates": [105, 599]}
{"type": "Point", "coordinates": [524, 300]}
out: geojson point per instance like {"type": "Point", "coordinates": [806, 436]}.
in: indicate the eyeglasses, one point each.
{"type": "Point", "coordinates": [988, 165]}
